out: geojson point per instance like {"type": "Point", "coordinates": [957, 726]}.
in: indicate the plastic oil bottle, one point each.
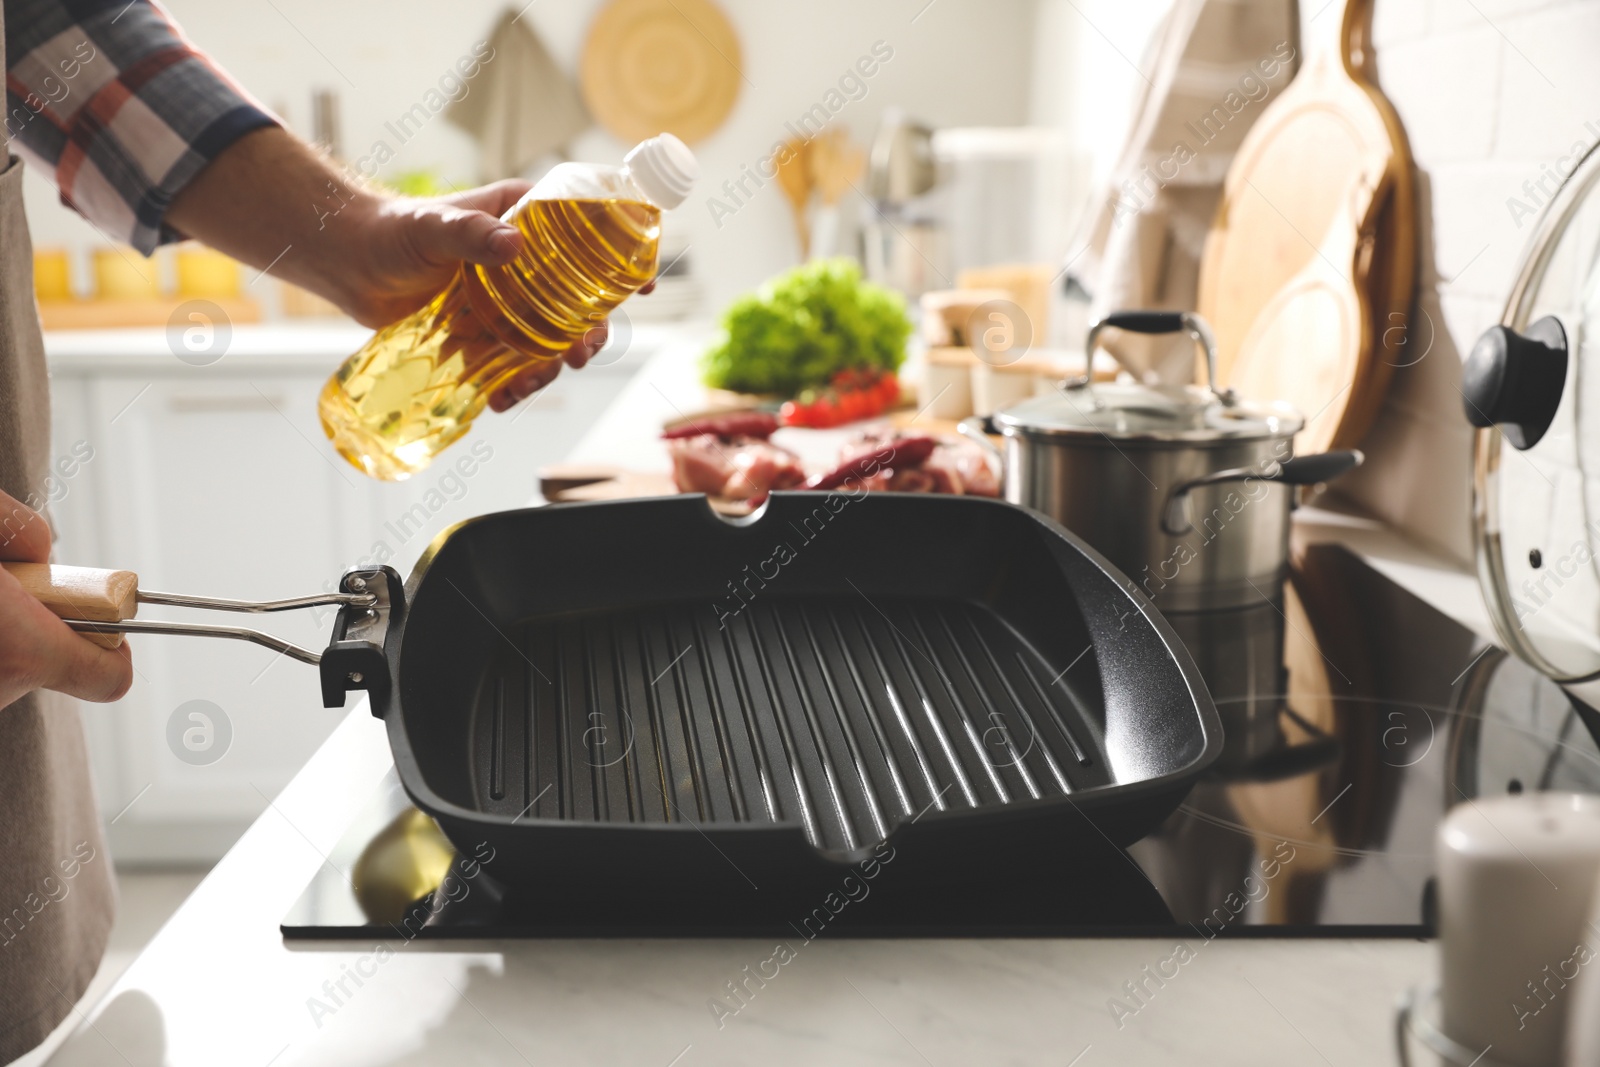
{"type": "Point", "coordinates": [590, 236]}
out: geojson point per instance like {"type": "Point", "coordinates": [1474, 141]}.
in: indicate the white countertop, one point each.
{"type": "Point", "coordinates": [218, 985]}
{"type": "Point", "coordinates": [318, 344]}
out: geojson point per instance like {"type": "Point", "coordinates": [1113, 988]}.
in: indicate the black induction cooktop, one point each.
{"type": "Point", "coordinates": [1355, 715]}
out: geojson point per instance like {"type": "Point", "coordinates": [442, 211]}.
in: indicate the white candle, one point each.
{"type": "Point", "coordinates": [1516, 876]}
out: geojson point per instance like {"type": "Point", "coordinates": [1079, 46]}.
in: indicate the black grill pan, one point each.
{"type": "Point", "coordinates": [637, 704]}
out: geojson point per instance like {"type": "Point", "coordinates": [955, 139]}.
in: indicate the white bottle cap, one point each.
{"type": "Point", "coordinates": [664, 168]}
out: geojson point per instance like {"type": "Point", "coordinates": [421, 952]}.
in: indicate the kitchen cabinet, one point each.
{"type": "Point", "coordinates": [217, 480]}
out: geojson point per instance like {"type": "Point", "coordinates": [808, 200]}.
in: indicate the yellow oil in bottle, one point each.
{"type": "Point", "coordinates": [416, 386]}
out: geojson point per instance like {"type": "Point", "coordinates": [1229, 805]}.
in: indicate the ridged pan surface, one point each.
{"type": "Point", "coordinates": [640, 689]}
{"type": "Point", "coordinates": [840, 714]}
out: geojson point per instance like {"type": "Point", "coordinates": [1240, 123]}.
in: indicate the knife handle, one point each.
{"type": "Point", "coordinates": [81, 593]}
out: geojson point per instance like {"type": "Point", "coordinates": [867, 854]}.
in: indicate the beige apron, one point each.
{"type": "Point", "coordinates": [56, 895]}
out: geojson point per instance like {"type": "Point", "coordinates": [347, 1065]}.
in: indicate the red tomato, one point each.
{"type": "Point", "coordinates": [888, 389]}
{"type": "Point", "coordinates": [854, 405]}
{"type": "Point", "coordinates": [853, 395]}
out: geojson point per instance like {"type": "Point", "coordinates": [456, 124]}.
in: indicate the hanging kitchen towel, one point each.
{"type": "Point", "coordinates": [1211, 67]}
{"type": "Point", "coordinates": [520, 105]}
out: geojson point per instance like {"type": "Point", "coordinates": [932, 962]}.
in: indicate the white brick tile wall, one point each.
{"type": "Point", "coordinates": [1427, 380]}
{"type": "Point", "coordinates": [1450, 15]}
{"type": "Point", "coordinates": [1418, 474]}
{"type": "Point", "coordinates": [1550, 87]}
{"type": "Point", "coordinates": [1465, 319]}
{"type": "Point", "coordinates": [1395, 23]}
{"type": "Point", "coordinates": [1476, 253]}
{"type": "Point", "coordinates": [1418, 466]}
{"type": "Point", "coordinates": [1450, 83]}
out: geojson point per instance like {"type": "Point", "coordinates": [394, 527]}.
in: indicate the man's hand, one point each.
{"type": "Point", "coordinates": [270, 201]}
{"type": "Point", "coordinates": [38, 650]}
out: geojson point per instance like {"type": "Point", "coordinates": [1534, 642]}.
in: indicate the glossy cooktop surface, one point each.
{"type": "Point", "coordinates": [1354, 715]}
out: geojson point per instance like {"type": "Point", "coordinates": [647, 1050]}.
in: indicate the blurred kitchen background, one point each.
{"type": "Point", "coordinates": [1005, 63]}
{"type": "Point", "coordinates": [982, 135]}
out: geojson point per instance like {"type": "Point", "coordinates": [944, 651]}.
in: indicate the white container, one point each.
{"type": "Point", "coordinates": [1583, 1020]}
{"type": "Point", "coordinates": [947, 383]}
{"type": "Point", "coordinates": [1515, 881]}
{"type": "Point", "coordinates": [994, 388]}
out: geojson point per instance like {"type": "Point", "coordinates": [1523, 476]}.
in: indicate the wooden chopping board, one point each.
{"type": "Point", "coordinates": [1311, 264]}
{"type": "Point", "coordinates": [566, 483]}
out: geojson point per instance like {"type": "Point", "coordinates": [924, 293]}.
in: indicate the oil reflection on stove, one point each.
{"type": "Point", "coordinates": [406, 882]}
{"type": "Point", "coordinates": [394, 873]}
{"type": "Point", "coordinates": [404, 862]}
{"type": "Point", "coordinates": [1354, 717]}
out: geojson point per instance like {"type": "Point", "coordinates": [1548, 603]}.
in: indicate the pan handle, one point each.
{"type": "Point", "coordinates": [1302, 470]}
{"type": "Point", "coordinates": [356, 657]}
{"type": "Point", "coordinates": [101, 605]}
{"type": "Point", "coordinates": [86, 593]}
{"type": "Point", "coordinates": [99, 631]}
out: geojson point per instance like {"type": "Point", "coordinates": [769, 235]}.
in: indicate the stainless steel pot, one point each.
{"type": "Point", "coordinates": [1186, 489]}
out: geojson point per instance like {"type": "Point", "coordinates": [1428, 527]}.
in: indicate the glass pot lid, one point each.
{"type": "Point", "coordinates": [1532, 386]}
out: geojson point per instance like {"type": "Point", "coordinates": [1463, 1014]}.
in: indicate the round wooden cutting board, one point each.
{"type": "Point", "coordinates": [1310, 267]}
{"type": "Point", "coordinates": [653, 66]}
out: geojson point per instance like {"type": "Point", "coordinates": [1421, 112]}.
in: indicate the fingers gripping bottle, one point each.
{"type": "Point", "coordinates": [590, 235]}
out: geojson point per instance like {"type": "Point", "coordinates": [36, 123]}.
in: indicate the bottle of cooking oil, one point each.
{"type": "Point", "coordinates": [590, 235]}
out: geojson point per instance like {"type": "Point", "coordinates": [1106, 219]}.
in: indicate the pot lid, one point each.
{"type": "Point", "coordinates": [1126, 411]}
{"type": "Point", "coordinates": [1531, 384]}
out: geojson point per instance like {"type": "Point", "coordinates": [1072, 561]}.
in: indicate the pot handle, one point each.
{"type": "Point", "coordinates": [1301, 470]}
{"type": "Point", "coordinates": [977, 428]}
{"type": "Point", "coordinates": [1157, 322]}
{"type": "Point", "coordinates": [1318, 467]}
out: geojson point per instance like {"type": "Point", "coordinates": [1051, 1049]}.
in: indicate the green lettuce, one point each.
{"type": "Point", "coordinates": [804, 326]}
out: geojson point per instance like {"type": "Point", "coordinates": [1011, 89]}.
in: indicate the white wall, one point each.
{"type": "Point", "coordinates": [1088, 65]}
{"type": "Point", "coordinates": [961, 62]}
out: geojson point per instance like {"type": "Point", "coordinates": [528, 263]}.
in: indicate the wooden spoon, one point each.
{"type": "Point", "coordinates": [836, 164]}
{"type": "Point", "coordinates": [794, 178]}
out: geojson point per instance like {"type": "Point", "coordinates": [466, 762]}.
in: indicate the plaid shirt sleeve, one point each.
{"type": "Point", "coordinates": [113, 101]}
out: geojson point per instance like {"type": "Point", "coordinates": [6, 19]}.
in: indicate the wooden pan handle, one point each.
{"type": "Point", "coordinates": [81, 593]}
